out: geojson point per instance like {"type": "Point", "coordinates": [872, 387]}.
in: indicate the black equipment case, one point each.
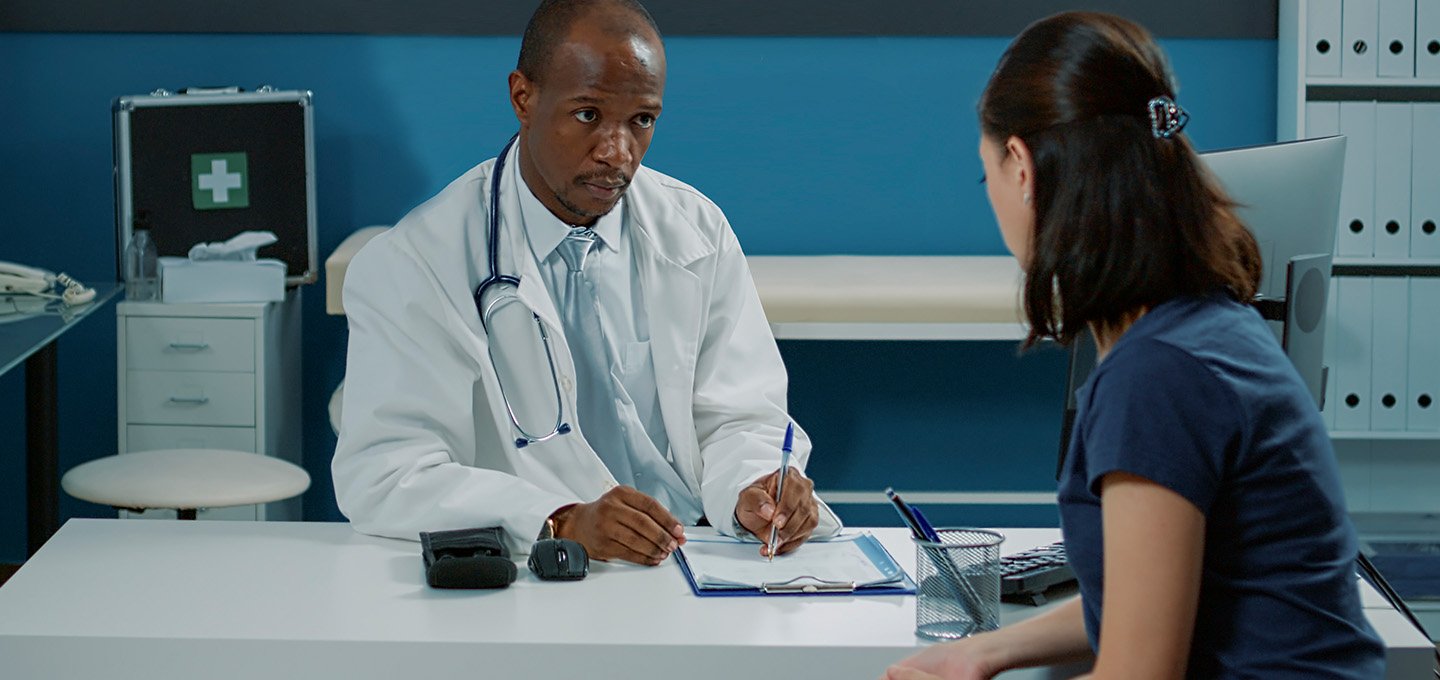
{"type": "Point", "coordinates": [203, 165]}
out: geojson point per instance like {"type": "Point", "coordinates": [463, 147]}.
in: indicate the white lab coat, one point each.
{"type": "Point", "coordinates": [425, 442]}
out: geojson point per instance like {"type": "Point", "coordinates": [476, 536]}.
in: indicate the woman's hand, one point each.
{"type": "Point", "coordinates": [960, 660]}
{"type": "Point", "coordinates": [903, 673]}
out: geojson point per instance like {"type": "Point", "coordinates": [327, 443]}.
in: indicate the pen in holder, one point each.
{"type": "Point", "coordinates": [958, 581]}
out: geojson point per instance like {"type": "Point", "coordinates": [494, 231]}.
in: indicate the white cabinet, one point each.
{"type": "Point", "coordinates": [224, 376]}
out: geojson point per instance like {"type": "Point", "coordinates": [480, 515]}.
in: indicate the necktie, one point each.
{"type": "Point", "coordinates": [595, 393]}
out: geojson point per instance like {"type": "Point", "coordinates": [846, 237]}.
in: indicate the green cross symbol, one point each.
{"type": "Point", "coordinates": [219, 180]}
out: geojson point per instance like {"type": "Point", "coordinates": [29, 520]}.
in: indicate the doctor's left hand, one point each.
{"type": "Point", "coordinates": [796, 516]}
{"type": "Point", "coordinates": [622, 524]}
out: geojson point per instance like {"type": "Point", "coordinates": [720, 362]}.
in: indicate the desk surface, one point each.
{"type": "Point", "coordinates": [25, 328]}
{"type": "Point", "coordinates": [246, 599]}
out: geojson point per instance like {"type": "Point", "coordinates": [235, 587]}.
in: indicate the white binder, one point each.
{"type": "Point", "coordinates": [1425, 182]}
{"type": "Point", "coordinates": [1358, 26]}
{"type": "Point", "coordinates": [1424, 350]}
{"type": "Point", "coordinates": [1427, 38]}
{"type": "Point", "coordinates": [1332, 314]}
{"type": "Point", "coordinates": [1392, 179]}
{"type": "Point", "coordinates": [1395, 45]}
{"type": "Point", "coordinates": [1352, 354]}
{"type": "Point", "coordinates": [1322, 119]}
{"type": "Point", "coordinates": [1322, 37]}
{"type": "Point", "coordinates": [1389, 339]}
{"type": "Point", "coordinates": [1355, 236]}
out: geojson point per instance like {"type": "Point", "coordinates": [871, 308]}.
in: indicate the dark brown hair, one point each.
{"type": "Point", "coordinates": [1124, 220]}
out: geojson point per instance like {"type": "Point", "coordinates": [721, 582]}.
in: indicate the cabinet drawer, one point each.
{"type": "Point", "coordinates": [190, 398]}
{"type": "Point", "coordinates": [158, 343]}
{"type": "Point", "coordinates": [151, 437]}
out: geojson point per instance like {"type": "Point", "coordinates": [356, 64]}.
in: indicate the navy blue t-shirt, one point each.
{"type": "Point", "coordinates": [1198, 397]}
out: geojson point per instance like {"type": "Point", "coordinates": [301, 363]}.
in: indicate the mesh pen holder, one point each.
{"type": "Point", "coordinates": [958, 579]}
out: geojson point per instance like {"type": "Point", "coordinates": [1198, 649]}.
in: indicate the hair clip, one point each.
{"type": "Point", "coordinates": [1167, 119]}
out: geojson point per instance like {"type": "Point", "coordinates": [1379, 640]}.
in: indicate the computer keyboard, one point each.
{"type": "Point", "coordinates": [1026, 577]}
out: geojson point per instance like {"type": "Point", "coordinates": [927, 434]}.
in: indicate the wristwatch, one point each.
{"type": "Point", "coordinates": [548, 531]}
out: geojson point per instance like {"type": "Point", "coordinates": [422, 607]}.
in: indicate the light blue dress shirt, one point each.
{"type": "Point", "coordinates": [615, 274]}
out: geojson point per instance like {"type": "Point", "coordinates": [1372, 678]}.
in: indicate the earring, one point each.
{"type": "Point", "coordinates": [1026, 198]}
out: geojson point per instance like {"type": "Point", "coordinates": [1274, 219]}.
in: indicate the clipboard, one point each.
{"type": "Point", "coordinates": [893, 580]}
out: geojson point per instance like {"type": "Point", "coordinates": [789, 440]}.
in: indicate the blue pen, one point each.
{"type": "Point", "coordinates": [921, 529]}
{"type": "Point", "coordinates": [929, 531]}
{"type": "Point", "coordinates": [907, 515]}
{"type": "Point", "coordinates": [780, 484]}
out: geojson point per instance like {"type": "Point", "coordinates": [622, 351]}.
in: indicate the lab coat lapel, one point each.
{"type": "Point", "coordinates": [590, 478]}
{"type": "Point", "coordinates": [517, 257]}
{"type": "Point", "coordinates": [665, 243]}
{"type": "Point", "coordinates": [532, 292]}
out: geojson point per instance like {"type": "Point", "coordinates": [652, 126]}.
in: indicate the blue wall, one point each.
{"type": "Point", "coordinates": [811, 145]}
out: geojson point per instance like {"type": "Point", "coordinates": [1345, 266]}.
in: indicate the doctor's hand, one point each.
{"type": "Point", "coordinates": [622, 524]}
{"type": "Point", "coordinates": [796, 516]}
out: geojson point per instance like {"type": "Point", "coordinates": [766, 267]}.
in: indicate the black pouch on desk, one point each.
{"type": "Point", "coordinates": [467, 558]}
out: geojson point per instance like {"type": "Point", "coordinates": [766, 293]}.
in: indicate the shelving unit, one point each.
{"type": "Point", "coordinates": [1365, 68]}
{"type": "Point", "coordinates": [1396, 435]}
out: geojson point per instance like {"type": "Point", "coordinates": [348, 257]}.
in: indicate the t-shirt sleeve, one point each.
{"type": "Point", "coordinates": [1159, 413]}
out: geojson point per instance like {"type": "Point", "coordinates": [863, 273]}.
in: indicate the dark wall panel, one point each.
{"type": "Point", "coordinates": [1214, 19]}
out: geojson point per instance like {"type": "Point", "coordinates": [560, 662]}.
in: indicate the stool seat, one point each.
{"type": "Point", "coordinates": [185, 479]}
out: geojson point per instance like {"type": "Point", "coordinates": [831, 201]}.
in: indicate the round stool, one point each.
{"type": "Point", "coordinates": [185, 480]}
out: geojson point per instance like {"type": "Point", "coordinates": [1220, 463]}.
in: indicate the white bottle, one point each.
{"type": "Point", "coordinates": [141, 267]}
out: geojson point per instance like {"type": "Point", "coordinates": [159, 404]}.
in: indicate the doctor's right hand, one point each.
{"type": "Point", "coordinates": [622, 524]}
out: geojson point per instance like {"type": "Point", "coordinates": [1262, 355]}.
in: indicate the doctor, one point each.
{"type": "Point", "coordinates": [665, 371]}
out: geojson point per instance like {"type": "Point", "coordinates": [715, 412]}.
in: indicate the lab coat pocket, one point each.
{"type": "Point", "coordinates": [635, 359]}
{"type": "Point", "coordinates": [635, 382]}
{"type": "Point", "coordinates": [634, 377]}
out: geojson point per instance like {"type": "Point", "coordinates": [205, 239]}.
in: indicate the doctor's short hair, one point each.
{"type": "Point", "coordinates": [551, 22]}
{"type": "Point", "coordinates": [1125, 217]}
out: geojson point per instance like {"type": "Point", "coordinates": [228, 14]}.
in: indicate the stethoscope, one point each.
{"type": "Point", "coordinates": [496, 293]}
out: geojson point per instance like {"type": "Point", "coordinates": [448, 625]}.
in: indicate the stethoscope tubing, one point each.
{"type": "Point", "coordinates": [495, 277]}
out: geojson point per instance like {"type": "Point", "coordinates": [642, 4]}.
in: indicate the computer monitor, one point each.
{"type": "Point", "coordinates": [1289, 197]}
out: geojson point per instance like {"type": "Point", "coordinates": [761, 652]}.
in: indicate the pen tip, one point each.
{"type": "Point", "coordinates": [789, 436]}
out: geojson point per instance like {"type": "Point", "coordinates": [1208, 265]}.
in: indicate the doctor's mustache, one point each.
{"type": "Point", "coordinates": [618, 180]}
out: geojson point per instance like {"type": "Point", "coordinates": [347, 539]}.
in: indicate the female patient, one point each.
{"type": "Point", "coordinates": [1200, 499]}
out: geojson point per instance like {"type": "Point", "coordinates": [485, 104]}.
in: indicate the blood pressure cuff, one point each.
{"type": "Point", "coordinates": [467, 558]}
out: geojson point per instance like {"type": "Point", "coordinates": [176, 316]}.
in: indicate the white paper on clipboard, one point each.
{"type": "Point", "coordinates": [720, 562]}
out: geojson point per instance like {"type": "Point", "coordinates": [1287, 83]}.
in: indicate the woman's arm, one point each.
{"type": "Point", "coordinates": [1057, 636]}
{"type": "Point", "coordinates": [1154, 549]}
{"type": "Point", "coordinates": [1154, 552]}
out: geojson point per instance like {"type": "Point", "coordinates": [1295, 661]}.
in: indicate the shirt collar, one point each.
{"type": "Point", "coordinates": [546, 231]}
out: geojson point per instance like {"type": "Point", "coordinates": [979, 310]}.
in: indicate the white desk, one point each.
{"type": "Point", "coordinates": [130, 599]}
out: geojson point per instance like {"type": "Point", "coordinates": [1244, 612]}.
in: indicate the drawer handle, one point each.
{"type": "Point", "coordinates": [190, 346]}
{"type": "Point", "coordinates": [190, 400]}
